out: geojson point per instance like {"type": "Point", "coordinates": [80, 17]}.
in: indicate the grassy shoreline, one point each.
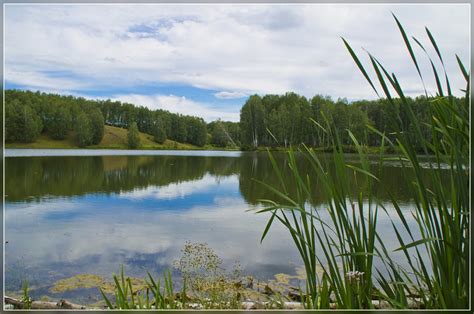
{"type": "Point", "coordinates": [120, 147]}
{"type": "Point", "coordinates": [116, 138]}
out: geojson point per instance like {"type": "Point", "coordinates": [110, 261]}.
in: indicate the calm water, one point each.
{"type": "Point", "coordinates": [83, 211]}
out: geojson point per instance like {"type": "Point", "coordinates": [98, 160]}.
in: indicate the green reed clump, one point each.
{"type": "Point", "coordinates": [26, 296]}
{"type": "Point", "coordinates": [441, 213]}
{"type": "Point", "coordinates": [152, 296]}
{"type": "Point", "coordinates": [165, 297]}
{"type": "Point", "coordinates": [348, 241]}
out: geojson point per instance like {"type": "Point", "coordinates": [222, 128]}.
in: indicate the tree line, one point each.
{"type": "Point", "coordinates": [29, 114]}
{"type": "Point", "coordinates": [161, 124]}
{"type": "Point", "coordinates": [265, 121]}
{"type": "Point", "coordinates": [290, 119]}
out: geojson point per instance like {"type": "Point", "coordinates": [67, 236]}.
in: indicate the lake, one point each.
{"type": "Point", "coordinates": [70, 212]}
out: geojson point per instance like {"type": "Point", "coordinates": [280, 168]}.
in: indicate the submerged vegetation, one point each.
{"type": "Point", "coordinates": [436, 250]}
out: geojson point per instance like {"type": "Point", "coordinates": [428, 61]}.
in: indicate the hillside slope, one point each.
{"type": "Point", "coordinates": [114, 138]}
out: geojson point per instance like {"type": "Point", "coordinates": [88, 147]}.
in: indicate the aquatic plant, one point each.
{"type": "Point", "coordinates": [26, 297]}
{"type": "Point", "coordinates": [437, 252]}
{"type": "Point", "coordinates": [205, 284]}
{"type": "Point", "coordinates": [150, 296]}
{"type": "Point", "coordinates": [165, 297]}
{"type": "Point", "coordinates": [81, 281]}
{"type": "Point", "coordinates": [442, 212]}
{"type": "Point", "coordinates": [347, 240]}
{"type": "Point", "coordinates": [208, 281]}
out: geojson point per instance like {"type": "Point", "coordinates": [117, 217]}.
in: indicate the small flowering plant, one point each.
{"type": "Point", "coordinates": [202, 270]}
{"type": "Point", "coordinates": [356, 282]}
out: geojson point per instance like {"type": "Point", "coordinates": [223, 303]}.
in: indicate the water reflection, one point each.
{"type": "Point", "coordinates": [95, 234]}
{"type": "Point", "coordinates": [37, 178]}
{"type": "Point", "coordinates": [71, 215]}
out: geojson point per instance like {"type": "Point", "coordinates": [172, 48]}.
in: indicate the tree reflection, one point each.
{"type": "Point", "coordinates": [33, 178]}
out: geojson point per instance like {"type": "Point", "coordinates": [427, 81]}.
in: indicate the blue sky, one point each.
{"type": "Point", "coordinates": [206, 60]}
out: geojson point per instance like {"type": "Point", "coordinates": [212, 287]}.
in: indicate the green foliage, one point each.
{"type": "Point", "coordinates": [178, 129]}
{"type": "Point", "coordinates": [26, 297]}
{"type": "Point", "coordinates": [159, 133]}
{"type": "Point", "coordinates": [441, 214]}
{"type": "Point", "coordinates": [196, 131]}
{"type": "Point", "coordinates": [165, 297]}
{"type": "Point", "coordinates": [351, 247]}
{"type": "Point", "coordinates": [251, 122]}
{"type": "Point", "coordinates": [349, 241]}
{"type": "Point", "coordinates": [224, 133]}
{"type": "Point", "coordinates": [202, 270]}
{"type": "Point", "coordinates": [268, 121]}
{"type": "Point", "coordinates": [58, 114]}
{"type": "Point", "coordinates": [12, 126]}
{"type": "Point", "coordinates": [149, 296]}
{"type": "Point", "coordinates": [210, 286]}
{"type": "Point", "coordinates": [31, 125]}
{"type": "Point", "coordinates": [133, 136]}
{"type": "Point", "coordinates": [83, 129]}
{"type": "Point", "coordinates": [219, 136]}
{"type": "Point", "coordinates": [199, 265]}
{"type": "Point", "coordinates": [97, 125]}
{"type": "Point", "coordinates": [22, 123]}
{"type": "Point", "coordinates": [59, 124]}
{"type": "Point", "coordinates": [288, 120]}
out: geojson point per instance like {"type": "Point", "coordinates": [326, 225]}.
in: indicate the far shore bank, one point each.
{"type": "Point", "coordinates": [120, 147]}
{"type": "Point", "coordinates": [347, 149]}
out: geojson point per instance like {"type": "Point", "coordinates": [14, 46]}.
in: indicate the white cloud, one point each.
{"type": "Point", "coordinates": [229, 95]}
{"type": "Point", "coordinates": [242, 48]}
{"type": "Point", "coordinates": [179, 104]}
{"type": "Point", "coordinates": [42, 81]}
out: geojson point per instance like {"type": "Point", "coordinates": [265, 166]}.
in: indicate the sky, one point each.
{"type": "Point", "coordinates": [206, 60]}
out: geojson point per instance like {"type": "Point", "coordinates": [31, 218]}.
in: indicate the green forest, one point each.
{"type": "Point", "coordinates": [29, 114]}
{"type": "Point", "coordinates": [290, 119]}
{"type": "Point", "coordinates": [269, 121]}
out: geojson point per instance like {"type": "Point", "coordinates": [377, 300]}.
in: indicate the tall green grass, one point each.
{"type": "Point", "coordinates": [345, 241]}
{"type": "Point", "coordinates": [26, 296]}
{"type": "Point", "coordinates": [152, 296]}
{"type": "Point", "coordinates": [442, 212]}
{"type": "Point", "coordinates": [345, 245]}
{"type": "Point", "coordinates": [205, 284]}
